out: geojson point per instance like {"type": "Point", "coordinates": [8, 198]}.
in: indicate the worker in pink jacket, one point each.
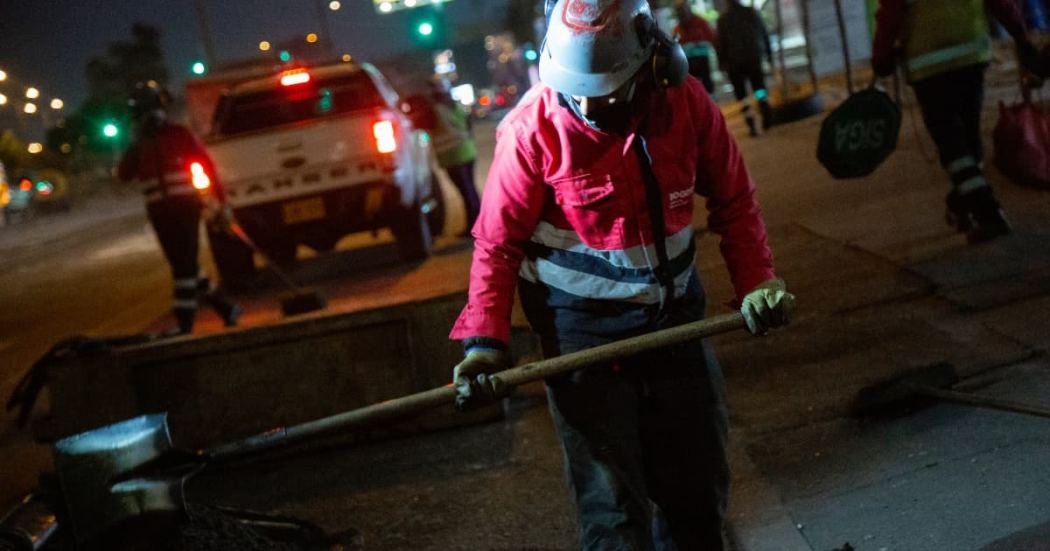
{"type": "Point", "coordinates": [587, 212]}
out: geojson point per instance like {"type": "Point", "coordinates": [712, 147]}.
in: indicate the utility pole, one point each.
{"type": "Point", "coordinates": [202, 20]}
{"type": "Point", "coordinates": [326, 33]}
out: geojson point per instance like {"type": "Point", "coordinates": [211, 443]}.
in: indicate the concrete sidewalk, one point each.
{"type": "Point", "coordinates": [884, 286]}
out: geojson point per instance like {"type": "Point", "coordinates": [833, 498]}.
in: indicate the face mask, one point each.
{"type": "Point", "coordinates": [612, 118]}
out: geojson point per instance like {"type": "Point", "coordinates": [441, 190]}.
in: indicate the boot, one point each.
{"type": "Point", "coordinates": [977, 214]}
{"type": "Point", "coordinates": [228, 309]}
{"type": "Point", "coordinates": [766, 112]}
{"type": "Point", "coordinates": [752, 127]}
{"type": "Point", "coordinates": [958, 214]}
{"type": "Point", "coordinates": [185, 318]}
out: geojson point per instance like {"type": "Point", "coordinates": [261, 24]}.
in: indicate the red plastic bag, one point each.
{"type": "Point", "coordinates": [1021, 142]}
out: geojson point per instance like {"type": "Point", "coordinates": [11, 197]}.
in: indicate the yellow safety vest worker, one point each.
{"type": "Point", "coordinates": [452, 143]}
{"type": "Point", "coordinates": [944, 35]}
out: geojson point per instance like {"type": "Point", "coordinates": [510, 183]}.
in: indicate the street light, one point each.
{"type": "Point", "coordinates": [3, 99]}
{"type": "Point", "coordinates": [3, 76]}
{"type": "Point", "coordinates": [32, 93]}
{"type": "Point", "coordinates": [334, 5]}
{"type": "Point", "coordinates": [36, 147]}
{"type": "Point", "coordinates": [311, 38]}
{"type": "Point", "coordinates": [57, 103]}
{"type": "Point", "coordinates": [264, 45]}
{"type": "Point", "coordinates": [30, 108]}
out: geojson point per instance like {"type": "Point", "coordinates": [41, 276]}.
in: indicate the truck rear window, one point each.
{"type": "Point", "coordinates": [295, 104]}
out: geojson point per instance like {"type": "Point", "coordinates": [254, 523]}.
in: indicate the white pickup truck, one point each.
{"type": "Point", "coordinates": [311, 155]}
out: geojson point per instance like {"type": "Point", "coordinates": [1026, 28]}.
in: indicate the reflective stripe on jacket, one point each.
{"type": "Point", "coordinates": [945, 35]}
{"type": "Point", "coordinates": [564, 215]}
{"type": "Point", "coordinates": [160, 162]}
{"type": "Point", "coordinates": [941, 35]}
{"type": "Point", "coordinates": [452, 143]}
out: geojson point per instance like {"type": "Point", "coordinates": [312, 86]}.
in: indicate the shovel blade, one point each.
{"type": "Point", "coordinates": [88, 463]}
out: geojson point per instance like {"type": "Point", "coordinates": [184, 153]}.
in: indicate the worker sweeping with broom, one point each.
{"type": "Point", "coordinates": [164, 159]}
{"type": "Point", "coordinates": [587, 211]}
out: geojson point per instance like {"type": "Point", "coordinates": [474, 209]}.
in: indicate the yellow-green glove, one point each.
{"type": "Point", "coordinates": [768, 306]}
{"type": "Point", "coordinates": [474, 387]}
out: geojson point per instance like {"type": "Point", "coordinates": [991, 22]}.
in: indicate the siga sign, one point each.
{"type": "Point", "coordinates": [859, 134]}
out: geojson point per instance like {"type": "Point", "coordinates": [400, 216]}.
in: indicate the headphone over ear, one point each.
{"type": "Point", "coordinates": [670, 66]}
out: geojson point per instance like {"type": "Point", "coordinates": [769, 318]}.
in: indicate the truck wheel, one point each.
{"type": "Point", "coordinates": [436, 211]}
{"type": "Point", "coordinates": [411, 229]}
{"type": "Point", "coordinates": [234, 261]}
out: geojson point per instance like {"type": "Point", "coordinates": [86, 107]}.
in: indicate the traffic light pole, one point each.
{"type": "Point", "coordinates": [202, 20]}
{"type": "Point", "coordinates": [326, 33]}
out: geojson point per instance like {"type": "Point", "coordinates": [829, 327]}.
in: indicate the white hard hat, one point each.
{"type": "Point", "coordinates": [593, 47]}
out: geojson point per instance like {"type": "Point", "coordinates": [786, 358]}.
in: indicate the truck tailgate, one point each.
{"type": "Point", "coordinates": [276, 165]}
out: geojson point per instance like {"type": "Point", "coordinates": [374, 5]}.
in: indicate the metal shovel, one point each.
{"type": "Point", "coordinates": [130, 469]}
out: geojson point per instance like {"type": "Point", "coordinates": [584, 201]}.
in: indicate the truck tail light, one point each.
{"type": "Point", "coordinates": [384, 135]}
{"type": "Point", "coordinates": [294, 76]}
{"type": "Point", "coordinates": [201, 181]}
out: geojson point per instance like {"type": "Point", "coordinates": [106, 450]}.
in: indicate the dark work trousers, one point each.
{"type": "Point", "coordinates": [700, 67]}
{"type": "Point", "coordinates": [463, 176]}
{"type": "Point", "coordinates": [951, 108]}
{"type": "Point", "coordinates": [651, 430]}
{"type": "Point", "coordinates": [176, 221]}
{"type": "Point", "coordinates": [740, 76]}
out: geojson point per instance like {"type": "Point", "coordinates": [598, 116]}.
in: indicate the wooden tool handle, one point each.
{"type": "Point", "coordinates": [535, 371]}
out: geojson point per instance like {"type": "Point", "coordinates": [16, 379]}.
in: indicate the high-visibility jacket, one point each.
{"type": "Point", "coordinates": [696, 37]}
{"type": "Point", "coordinates": [565, 218]}
{"type": "Point", "coordinates": [451, 136]}
{"type": "Point", "coordinates": [941, 35]}
{"type": "Point", "coordinates": [161, 160]}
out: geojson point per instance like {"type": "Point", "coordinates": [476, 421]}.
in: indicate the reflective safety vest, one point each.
{"type": "Point", "coordinates": [944, 35]}
{"type": "Point", "coordinates": [452, 142]}
{"type": "Point", "coordinates": [161, 164]}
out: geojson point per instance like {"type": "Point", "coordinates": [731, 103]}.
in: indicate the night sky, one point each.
{"type": "Point", "coordinates": [47, 43]}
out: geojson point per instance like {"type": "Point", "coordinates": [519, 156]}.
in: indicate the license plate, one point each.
{"type": "Point", "coordinates": [295, 212]}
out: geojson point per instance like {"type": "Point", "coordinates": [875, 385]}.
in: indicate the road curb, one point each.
{"type": "Point", "coordinates": [757, 519]}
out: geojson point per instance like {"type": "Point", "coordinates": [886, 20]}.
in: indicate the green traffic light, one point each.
{"type": "Point", "coordinates": [285, 56]}
{"type": "Point", "coordinates": [110, 130]}
{"type": "Point", "coordinates": [531, 55]}
{"type": "Point", "coordinates": [426, 29]}
{"type": "Point", "coordinates": [198, 68]}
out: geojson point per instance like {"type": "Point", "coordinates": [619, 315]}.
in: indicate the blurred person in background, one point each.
{"type": "Point", "coordinates": [946, 46]}
{"type": "Point", "coordinates": [160, 159]}
{"type": "Point", "coordinates": [743, 44]}
{"type": "Point", "coordinates": [454, 147]}
{"type": "Point", "coordinates": [699, 41]}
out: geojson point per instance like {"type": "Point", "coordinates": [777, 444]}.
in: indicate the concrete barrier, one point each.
{"type": "Point", "coordinates": [218, 388]}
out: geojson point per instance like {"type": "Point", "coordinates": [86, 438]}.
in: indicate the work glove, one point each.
{"type": "Point", "coordinates": [474, 387]}
{"type": "Point", "coordinates": [767, 306]}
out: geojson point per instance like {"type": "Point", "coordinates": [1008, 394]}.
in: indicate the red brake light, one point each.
{"type": "Point", "coordinates": [201, 181]}
{"type": "Point", "coordinates": [294, 76]}
{"type": "Point", "coordinates": [383, 131]}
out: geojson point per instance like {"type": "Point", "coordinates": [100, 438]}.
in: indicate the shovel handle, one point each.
{"type": "Point", "coordinates": [535, 371]}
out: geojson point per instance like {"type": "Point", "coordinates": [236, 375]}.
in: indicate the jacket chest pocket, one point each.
{"type": "Point", "coordinates": [592, 209]}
